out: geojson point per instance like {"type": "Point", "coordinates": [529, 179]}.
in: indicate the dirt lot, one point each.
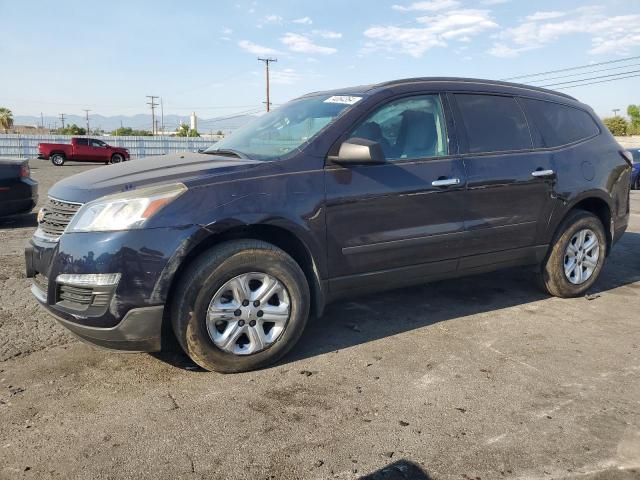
{"type": "Point", "coordinates": [483, 377]}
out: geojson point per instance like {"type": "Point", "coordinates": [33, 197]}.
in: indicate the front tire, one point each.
{"type": "Point", "coordinates": [116, 158]}
{"type": "Point", "coordinates": [577, 256]}
{"type": "Point", "coordinates": [58, 159]}
{"type": "Point", "coordinates": [240, 306]}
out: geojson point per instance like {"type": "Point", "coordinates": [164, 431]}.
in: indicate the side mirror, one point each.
{"type": "Point", "coordinates": [360, 151]}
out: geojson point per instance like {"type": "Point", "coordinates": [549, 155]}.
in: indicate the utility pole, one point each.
{"type": "Point", "coordinates": [615, 112]}
{"type": "Point", "coordinates": [62, 118]}
{"type": "Point", "coordinates": [267, 61]}
{"type": "Point", "coordinates": [41, 121]}
{"type": "Point", "coordinates": [162, 115]}
{"type": "Point", "coordinates": [153, 106]}
{"type": "Point", "coordinates": [86, 114]}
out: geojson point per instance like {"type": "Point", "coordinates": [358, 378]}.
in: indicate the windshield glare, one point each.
{"type": "Point", "coordinates": [285, 129]}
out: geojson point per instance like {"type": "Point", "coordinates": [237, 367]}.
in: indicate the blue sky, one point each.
{"type": "Point", "coordinates": [201, 56]}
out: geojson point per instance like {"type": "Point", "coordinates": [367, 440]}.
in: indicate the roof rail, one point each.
{"type": "Point", "coordinates": [475, 80]}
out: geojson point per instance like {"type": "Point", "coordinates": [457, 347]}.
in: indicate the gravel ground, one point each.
{"type": "Point", "coordinates": [483, 377]}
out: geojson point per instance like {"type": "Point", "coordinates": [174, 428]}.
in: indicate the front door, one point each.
{"type": "Point", "coordinates": [403, 219]}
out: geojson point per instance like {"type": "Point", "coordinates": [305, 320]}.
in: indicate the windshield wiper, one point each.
{"type": "Point", "coordinates": [228, 152]}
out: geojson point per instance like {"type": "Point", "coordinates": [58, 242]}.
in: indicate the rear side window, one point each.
{"type": "Point", "coordinates": [82, 141]}
{"type": "Point", "coordinates": [559, 124]}
{"type": "Point", "coordinates": [493, 123]}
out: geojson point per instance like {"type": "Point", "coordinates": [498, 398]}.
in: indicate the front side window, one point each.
{"type": "Point", "coordinates": [493, 123]}
{"type": "Point", "coordinates": [559, 124]}
{"type": "Point", "coordinates": [287, 128]}
{"type": "Point", "coordinates": [97, 143]}
{"type": "Point", "coordinates": [408, 128]}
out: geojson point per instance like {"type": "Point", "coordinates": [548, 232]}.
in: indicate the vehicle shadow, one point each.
{"type": "Point", "coordinates": [363, 319]}
{"type": "Point", "coordinates": [399, 470]}
{"type": "Point", "coordinates": [19, 221]}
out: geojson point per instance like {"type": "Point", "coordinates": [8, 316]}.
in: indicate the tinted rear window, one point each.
{"type": "Point", "coordinates": [559, 124]}
{"type": "Point", "coordinates": [81, 141]}
{"type": "Point", "coordinates": [493, 123]}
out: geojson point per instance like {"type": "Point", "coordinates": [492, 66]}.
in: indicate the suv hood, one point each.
{"type": "Point", "coordinates": [142, 172]}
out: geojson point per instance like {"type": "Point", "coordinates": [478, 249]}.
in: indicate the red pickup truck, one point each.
{"type": "Point", "coordinates": [82, 150]}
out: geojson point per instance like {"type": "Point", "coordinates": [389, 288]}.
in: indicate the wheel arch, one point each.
{"type": "Point", "coordinates": [279, 236]}
{"type": "Point", "coordinates": [58, 152]}
{"type": "Point", "coordinates": [598, 205]}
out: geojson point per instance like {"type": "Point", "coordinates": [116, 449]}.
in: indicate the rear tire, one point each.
{"type": "Point", "coordinates": [576, 257]}
{"type": "Point", "coordinates": [58, 159]}
{"type": "Point", "coordinates": [207, 317]}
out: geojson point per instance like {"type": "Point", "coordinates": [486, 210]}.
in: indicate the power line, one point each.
{"type": "Point", "coordinates": [267, 61]}
{"type": "Point", "coordinates": [62, 118]}
{"type": "Point", "coordinates": [590, 78]}
{"type": "Point", "coordinates": [600, 81]}
{"type": "Point", "coordinates": [571, 68]}
{"type": "Point", "coordinates": [584, 73]}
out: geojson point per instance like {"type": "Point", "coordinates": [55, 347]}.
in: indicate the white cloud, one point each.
{"type": "Point", "coordinates": [273, 19]}
{"type": "Point", "coordinates": [493, 2]}
{"type": "Point", "coordinates": [545, 16]}
{"type": "Point", "coordinates": [287, 76]}
{"type": "Point", "coordinates": [327, 34]}
{"type": "Point", "coordinates": [255, 48]}
{"type": "Point", "coordinates": [609, 34]}
{"type": "Point", "coordinates": [303, 21]}
{"type": "Point", "coordinates": [429, 6]}
{"type": "Point", "coordinates": [303, 44]}
{"type": "Point", "coordinates": [436, 31]}
{"type": "Point", "coordinates": [226, 31]}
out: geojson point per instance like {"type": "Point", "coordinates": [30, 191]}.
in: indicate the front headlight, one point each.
{"type": "Point", "coordinates": [124, 211]}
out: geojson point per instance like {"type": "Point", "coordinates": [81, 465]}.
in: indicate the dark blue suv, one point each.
{"type": "Point", "coordinates": [335, 193]}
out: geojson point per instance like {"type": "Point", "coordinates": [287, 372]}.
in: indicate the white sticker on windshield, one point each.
{"type": "Point", "coordinates": [344, 99]}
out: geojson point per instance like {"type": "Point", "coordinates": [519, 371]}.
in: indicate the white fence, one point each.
{"type": "Point", "coordinates": [26, 146]}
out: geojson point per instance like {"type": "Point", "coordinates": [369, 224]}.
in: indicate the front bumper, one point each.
{"type": "Point", "coordinates": [139, 331]}
{"type": "Point", "coordinates": [124, 316]}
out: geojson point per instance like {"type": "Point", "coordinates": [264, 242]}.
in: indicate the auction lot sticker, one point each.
{"type": "Point", "coordinates": [344, 99]}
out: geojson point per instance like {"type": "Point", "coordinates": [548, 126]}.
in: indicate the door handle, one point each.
{"type": "Point", "coordinates": [445, 182]}
{"type": "Point", "coordinates": [542, 173]}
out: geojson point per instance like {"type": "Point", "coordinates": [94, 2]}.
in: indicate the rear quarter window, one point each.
{"type": "Point", "coordinates": [493, 123]}
{"type": "Point", "coordinates": [558, 124]}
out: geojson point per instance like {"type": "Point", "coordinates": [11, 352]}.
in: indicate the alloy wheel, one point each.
{"type": "Point", "coordinates": [581, 256]}
{"type": "Point", "coordinates": [248, 313]}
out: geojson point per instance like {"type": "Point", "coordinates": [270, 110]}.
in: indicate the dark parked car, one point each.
{"type": "Point", "coordinates": [635, 174]}
{"type": "Point", "coordinates": [18, 191]}
{"type": "Point", "coordinates": [335, 193]}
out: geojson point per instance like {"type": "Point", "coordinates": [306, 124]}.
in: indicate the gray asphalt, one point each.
{"type": "Point", "coordinates": [483, 377]}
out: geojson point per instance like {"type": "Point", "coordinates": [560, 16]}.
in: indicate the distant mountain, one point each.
{"type": "Point", "coordinates": [139, 122]}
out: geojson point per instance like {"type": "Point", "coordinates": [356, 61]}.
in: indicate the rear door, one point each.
{"type": "Point", "coordinates": [82, 150]}
{"type": "Point", "coordinates": [509, 184]}
{"type": "Point", "coordinates": [404, 218]}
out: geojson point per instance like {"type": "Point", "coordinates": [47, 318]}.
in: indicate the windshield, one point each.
{"type": "Point", "coordinates": [285, 129]}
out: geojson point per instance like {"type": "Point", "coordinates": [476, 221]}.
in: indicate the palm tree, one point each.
{"type": "Point", "coordinates": [6, 119]}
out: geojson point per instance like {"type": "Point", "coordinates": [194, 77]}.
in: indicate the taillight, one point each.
{"type": "Point", "coordinates": [25, 171]}
{"type": "Point", "coordinates": [627, 156]}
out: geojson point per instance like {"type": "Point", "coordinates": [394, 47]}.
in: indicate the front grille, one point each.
{"type": "Point", "coordinates": [77, 295]}
{"type": "Point", "coordinates": [56, 215]}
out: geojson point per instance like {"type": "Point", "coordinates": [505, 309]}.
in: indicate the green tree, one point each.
{"type": "Point", "coordinates": [634, 114]}
{"type": "Point", "coordinates": [184, 131]}
{"type": "Point", "coordinates": [130, 132]}
{"type": "Point", "coordinates": [72, 129]}
{"type": "Point", "coordinates": [618, 126]}
{"type": "Point", "coordinates": [6, 119]}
